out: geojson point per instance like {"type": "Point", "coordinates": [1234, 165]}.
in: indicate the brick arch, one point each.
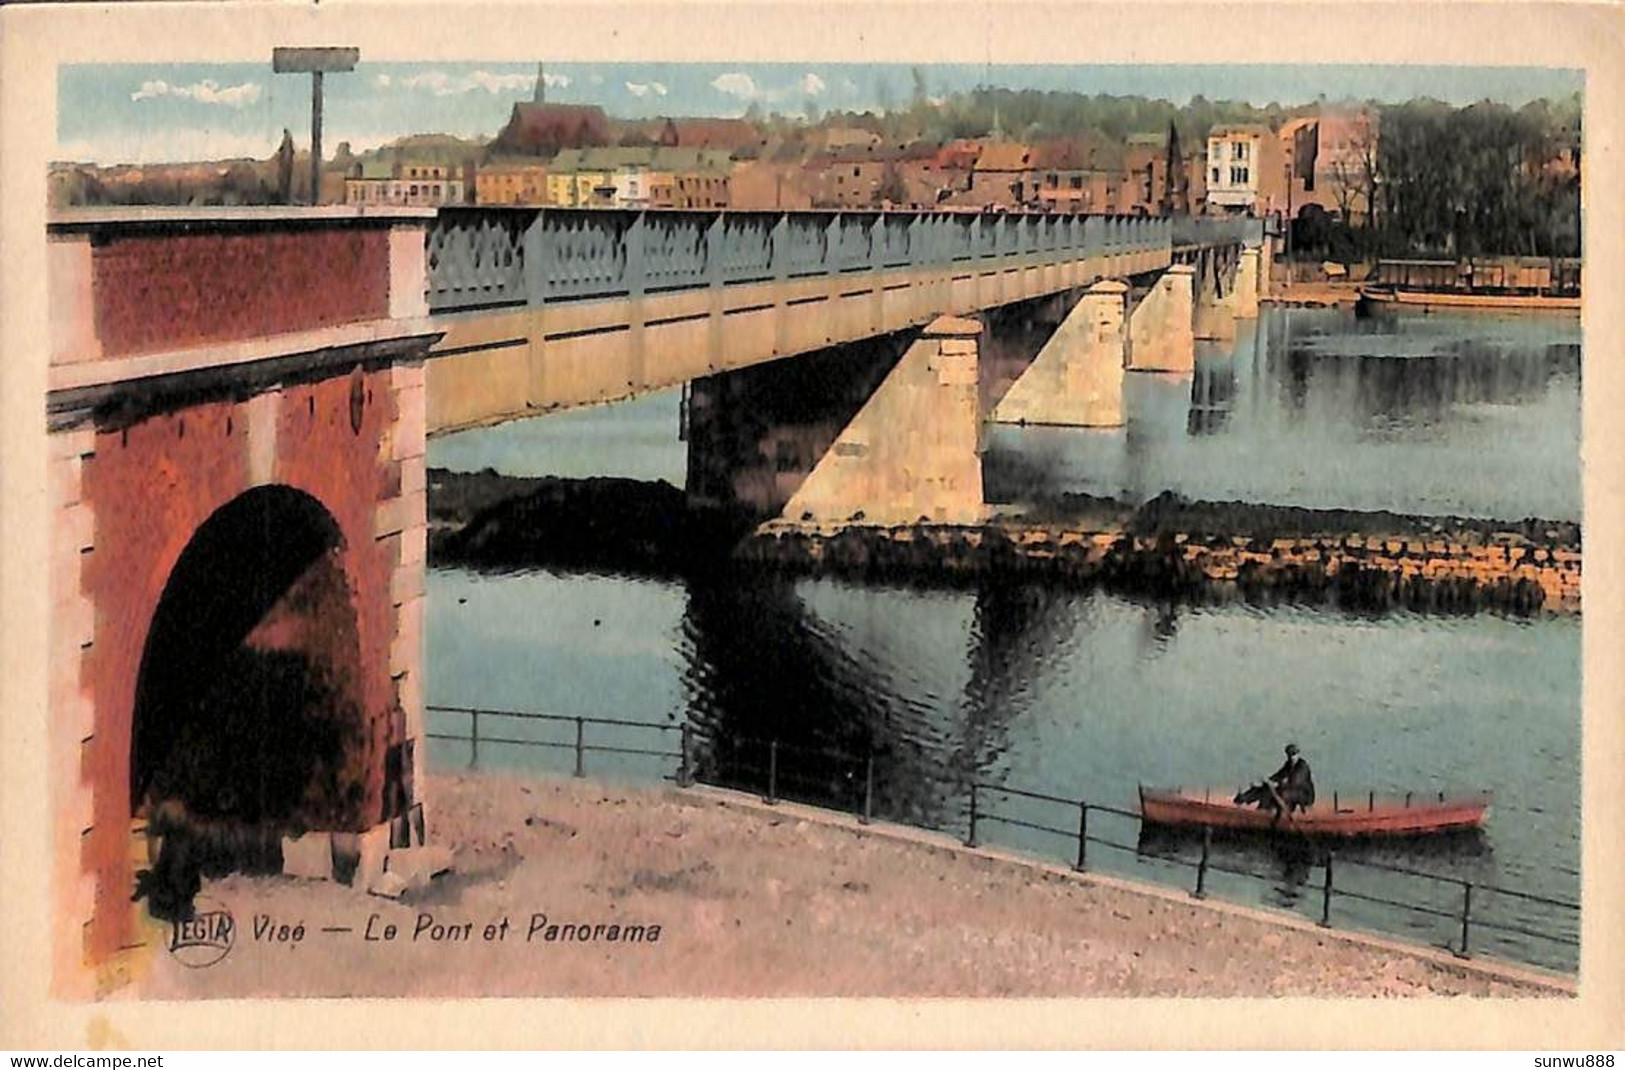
{"type": "Point", "coordinates": [248, 703]}
{"type": "Point", "coordinates": [143, 488]}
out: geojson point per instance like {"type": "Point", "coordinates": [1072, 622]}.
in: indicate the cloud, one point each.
{"type": "Point", "coordinates": [382, 81]}
{"type": "Point", "coordinates": [444, 84]}
{"type": "Point", "coordinates": [735, 84]}
{"type": "Point", "coordinates": [643, 89]}
{"type": "Point", "coordinates": [811, 84]}
{"type": "Point", "coordinates": [207, 91]}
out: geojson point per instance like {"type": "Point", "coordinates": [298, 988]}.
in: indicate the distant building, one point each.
{"type": "Point", "coordinates": [959, 154]}
{"type": "Point", "coordinates": [1077, 176]}
{"type": "Point", "coordinates": [927, 183]}
{"type": "Point", "coordinates": [726, 135]}
{"type": "Point", "coordinates": [1140, 193]}
{"type": "Point", "coordinates": [638, 177]}
{"type": "Point", "coordinates": [847, 180]}
{"type": "Point", "coordinates": [1003, 175]}
{"type": "Point", "coordinates": [583, 178]}
{"type": "Point", "coordinates": [636, 133]}
{"type": "Point", "coordinates": [703, 187]}
{"type": "Point", "coordinates": [511, 183]}
{"type": "Point", "coordinates": [420, 185]}
{"type": "Point", "coordinates": [546, 129]}
{"type": "Point", "coordinates": [1246, 171]}
{"type": "Point", "coordinates": [638, 185]}
{"type": "Point", "coordinates": [1331, 159]}
{"type": "Point", "coordinates": [769, 184]}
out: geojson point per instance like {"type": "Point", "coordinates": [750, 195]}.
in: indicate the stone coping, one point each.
{"type": "Point", "coordinates": [138, 216]}
{"type": "Point", "coordinates": [80, 375]}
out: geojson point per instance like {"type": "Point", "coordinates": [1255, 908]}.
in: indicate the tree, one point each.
{"type": "Point", "coordinates": [284, 169]}
{"type": "Point", "coordinates": [892, 191]}
{"type": "Point", "coordinates": [883, 95]}
{"type": "Point", "coordinates": [1354, 175]}
{"type": "Point", "coordinates": [921, 96]}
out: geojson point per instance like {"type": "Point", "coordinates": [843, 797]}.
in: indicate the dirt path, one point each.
{"type": "Point", "coordinates": [752, 902]}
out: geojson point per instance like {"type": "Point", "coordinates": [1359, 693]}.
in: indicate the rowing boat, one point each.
{"type": "Point", "coordinates": [1369, 815]}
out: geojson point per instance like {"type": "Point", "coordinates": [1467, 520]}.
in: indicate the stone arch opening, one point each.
{"type": "Point", "coordinates": [248, 721]}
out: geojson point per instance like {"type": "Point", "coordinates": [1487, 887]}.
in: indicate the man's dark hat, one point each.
{"type": "Point", "coordinates": [1291, 748]}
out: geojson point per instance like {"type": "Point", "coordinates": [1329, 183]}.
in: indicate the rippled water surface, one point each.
{"type": "Point", "coordinates": [1078, 694]}
{"type": "Point", "coordinates": [1463, 414]}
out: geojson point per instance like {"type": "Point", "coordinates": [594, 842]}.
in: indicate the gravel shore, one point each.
{"type": "Point", "coordinates": [753, 902]}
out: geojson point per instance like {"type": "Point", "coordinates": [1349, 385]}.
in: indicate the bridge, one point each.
{"type": "Point", "coordinates": [239, 402]}
{"type": "Point", "coordinates": [546, 309]}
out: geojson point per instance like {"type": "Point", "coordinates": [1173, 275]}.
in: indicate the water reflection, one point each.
{"type": "Point", "coordinates": [1078, 694]}
{"type": "Point", "coordinates": [1446, 414]}
{"type": "Point", "coordinates": [1213, 396]}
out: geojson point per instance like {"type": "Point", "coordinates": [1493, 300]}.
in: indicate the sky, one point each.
{"type": "Point", "coordinates": [150, 112]}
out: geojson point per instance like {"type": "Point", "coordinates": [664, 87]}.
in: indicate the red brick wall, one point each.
{"type": "Point", "coordinates": [168, 291]}
{"type": "Point", "coordinates": [150, 488]}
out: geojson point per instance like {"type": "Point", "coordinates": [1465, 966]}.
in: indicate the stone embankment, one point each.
{"type": "Point", "coordinates": [1360, 561]}
{"type": "Point", "coordinates": [1169, 546]}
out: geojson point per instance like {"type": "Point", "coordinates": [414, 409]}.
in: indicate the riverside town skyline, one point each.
{"type": "Point", "coordinates": [150, 113]}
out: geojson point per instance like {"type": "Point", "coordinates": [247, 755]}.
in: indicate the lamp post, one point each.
{"type": "Point", "coordinates": [314, 62]}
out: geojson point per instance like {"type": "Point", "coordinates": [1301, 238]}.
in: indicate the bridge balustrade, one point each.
{"type": "Point", "coordinates": [495, 257]}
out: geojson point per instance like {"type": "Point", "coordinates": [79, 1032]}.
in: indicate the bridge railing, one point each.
{"type": "Point", "coordinates": [494, 257]}
{"type": "Point", "coordinates": [845, 780]}
{"type": "Point", "coordinates": [1212, 230]}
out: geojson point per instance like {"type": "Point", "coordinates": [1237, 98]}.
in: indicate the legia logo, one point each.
{"type": "Point", "coordinates": [206, 938]}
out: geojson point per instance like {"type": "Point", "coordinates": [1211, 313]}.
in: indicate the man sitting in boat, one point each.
{"type": "Point", "coordinates": [1292, 785]}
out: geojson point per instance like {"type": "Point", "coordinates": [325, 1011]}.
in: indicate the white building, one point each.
{"type": "Point", "coordinates": [1245, 170]}
{"type": "Point", "coordinates": [631, 183]}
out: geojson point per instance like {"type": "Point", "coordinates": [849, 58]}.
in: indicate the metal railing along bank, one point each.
{"type": "Point", "coordinates": [494, 257]}
{"type": "Point", "coordinates": [780, 770]}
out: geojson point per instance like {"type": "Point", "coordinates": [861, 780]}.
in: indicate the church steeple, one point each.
{"type": "Point", "coordinates": [540, 93]}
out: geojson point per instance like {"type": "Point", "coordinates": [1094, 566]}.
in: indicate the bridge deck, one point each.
{"type": "Point", "coordinates": [548, 309]}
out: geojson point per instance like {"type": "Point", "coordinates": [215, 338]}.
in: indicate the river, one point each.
{"type": "Point", "coordinates": [1083, 694]}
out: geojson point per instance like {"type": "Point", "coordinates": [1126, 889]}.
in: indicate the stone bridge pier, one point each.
{"type": "Point", "coordinates": [1077, 378]}
{"type": "Point", "coordinates": [237, 416]}
{"type": "Point", "coordinates": [886, 431]}
{"type": "Point", "coordinates": [913, 453]}
{"type": "Point", "coordinates": [1162, 327]}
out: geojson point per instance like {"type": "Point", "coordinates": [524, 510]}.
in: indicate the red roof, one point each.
{"type": "Point", "coordinates": [729, 134]}
{"type": "Point", "coordinates": [1064, 155]}
{"type": "Point", "coordinates": [1004, 156]}
{"type": "Point", "coordinates": [544, 129]}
